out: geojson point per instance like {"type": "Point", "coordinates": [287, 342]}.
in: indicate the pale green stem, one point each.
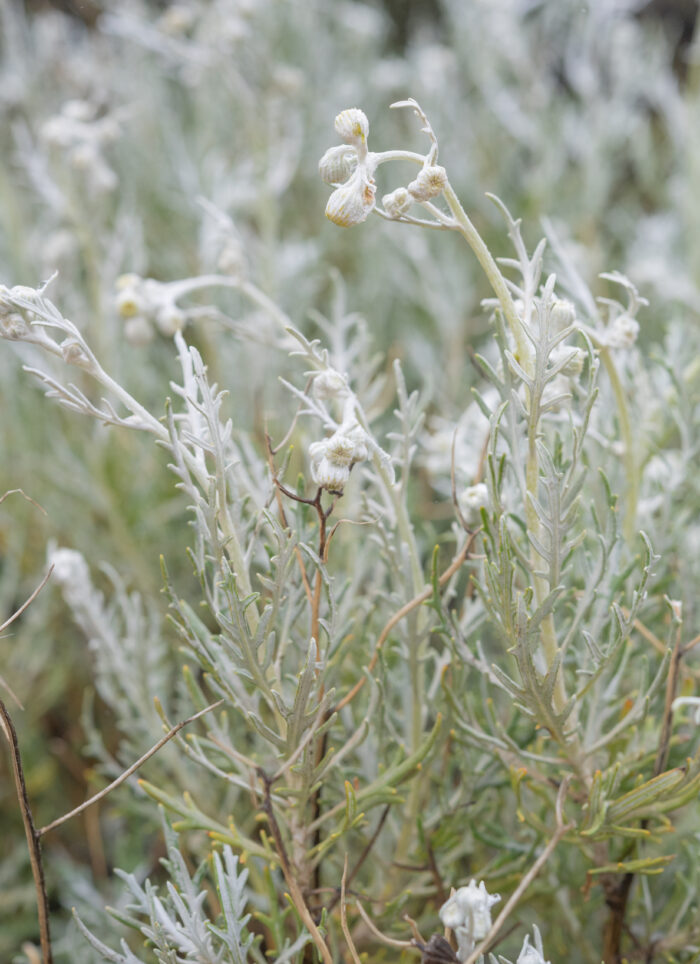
{"type": "Point", "coordinates": [630, 462]}
{"type": "Point", "coordinates": [523, 354]}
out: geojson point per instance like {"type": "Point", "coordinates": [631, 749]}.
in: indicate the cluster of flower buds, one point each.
{"type": "Point", "coordinates": [349, 167]}
{"type": "Point", "coordinates": [468, 914]}
{"type": "Point", "coordinates": [333, 458]}
{"type": "Point", "coordinates": [22, 312]}
{"type": "Point", "coordinates": [82, 135]}
{"type": "Point", "coordinates": [141, 302]}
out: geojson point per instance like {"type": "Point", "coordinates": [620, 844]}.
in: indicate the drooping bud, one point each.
{"type": "Point", "coordinates": [337, 164]}
{"type": "Point", "coordinates": [351, 203]}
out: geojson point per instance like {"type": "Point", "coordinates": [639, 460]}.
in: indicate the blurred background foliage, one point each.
{"type": "Point", "coordinates": [584, 113]}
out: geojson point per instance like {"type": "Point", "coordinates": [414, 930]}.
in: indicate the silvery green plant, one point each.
{"type": "Point", "coordinates": [393, 698]}
{"type": "Point", "coordinates": [423, 290]}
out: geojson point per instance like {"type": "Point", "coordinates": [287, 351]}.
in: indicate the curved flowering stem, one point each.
{"type": "Point", "coordinates": [466, 228]}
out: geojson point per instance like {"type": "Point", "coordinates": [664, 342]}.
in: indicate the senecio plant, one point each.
{"type": "Point", "coordinates": [449, 751]}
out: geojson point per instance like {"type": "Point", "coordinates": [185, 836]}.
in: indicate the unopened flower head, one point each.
{"type": "Point", "coordinates": [129, 300]}
{"type": "Point", "coordinates": [353, 202]}
{"type": "Point", "coordinates": [332, 458]}
{"type": "Point", "coordinates": [468, 914]}
{"type": "Point", "coordinates": [337, 164]}
{"type": "Point", "coordinates": [472, 500]}
{"type": "Point", "coordinates": [622, 333]}
{"type": "Point", "coordinates": [69, 566]}
{"type": "Point", "coordinates": [562, 315]}
{"type": "Point", "coordinates": [352, 127]}
{"type": "Point", "coordinates": [570, 358]}
{"type": "Point", "coordinates": [397, 203]}
{"type": "Point", "coordinates": [74, 353]}
{"type": "Point", "coordinates": [329, 384]}
{"type": "Point", "coordinates": [429, 183]}
{"type": "Point", "coordinates": [170, 319]}
{"type": "Point", "coordinates": [13, 326]}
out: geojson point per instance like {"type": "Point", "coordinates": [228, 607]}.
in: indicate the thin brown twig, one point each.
{"type": "Point", "coordinates": [27, 602]}
{"type": "Point", "coordinates": [33, 836]}
{"type": "Point", "coordinates": [24, 496]}
{"type": "Point", "coordinates": [363, 856]}
{"type": "Point", "coordinates": [283, 515]}
{"type": "Point", "coordinates": [372, 927]}
{"type": "Point", "coordinates": [127, 773]}
{"type": "Point", "coordinates": [561, 830]}
{"type": "Point", "coordinates": [294, 891]}
{"type": "Point", "coordinates": [404, 611]}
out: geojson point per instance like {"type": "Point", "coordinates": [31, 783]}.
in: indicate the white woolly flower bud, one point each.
{"type": "Point", "coordinates": [129, 300]}
{"type": "Point", "coordinates": [329, 384]}
{"type": "Point", "coordinates": [337, 164]}
{"type": "Point", "coordinates": [571, 360]}
{"type": "Point", "coordinates": [69, 567]}
{"type": "Point", "coordinates": [472, 500]}
{"type": "Point", "coordinates": [330, 475]}
{"type": "Point", "coordinates": [13, 326]}
{"type": "Point", "coordinates": [24, 293]}
{"type": "Point", "coordinates": [352, 126]}
{"type": "Point", "coordinates": [358, 437]}
{"type": "Point", "coordinates": [353, 202]}
{"type": "Point", "coordinates": [622, 333]}
{"type": "Point", "coordinates": [170, 319]}
{"type": "Point", "coordinates": [562, 314]}
{"type": "Point", "coordinates": [430, 182]}
{"type": "Point", "coordinates": [74, 354]}
{"type": "Point", "coordinates": [71, 572]}
{"type": "Point", "coordinates": [468, 914]}
{"type": "Point", "coordinates": [332, 459]}
{"type": "Point", "coordinates": [138, 331]}
{"type": "Point", "coordinates": [397, 203]}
